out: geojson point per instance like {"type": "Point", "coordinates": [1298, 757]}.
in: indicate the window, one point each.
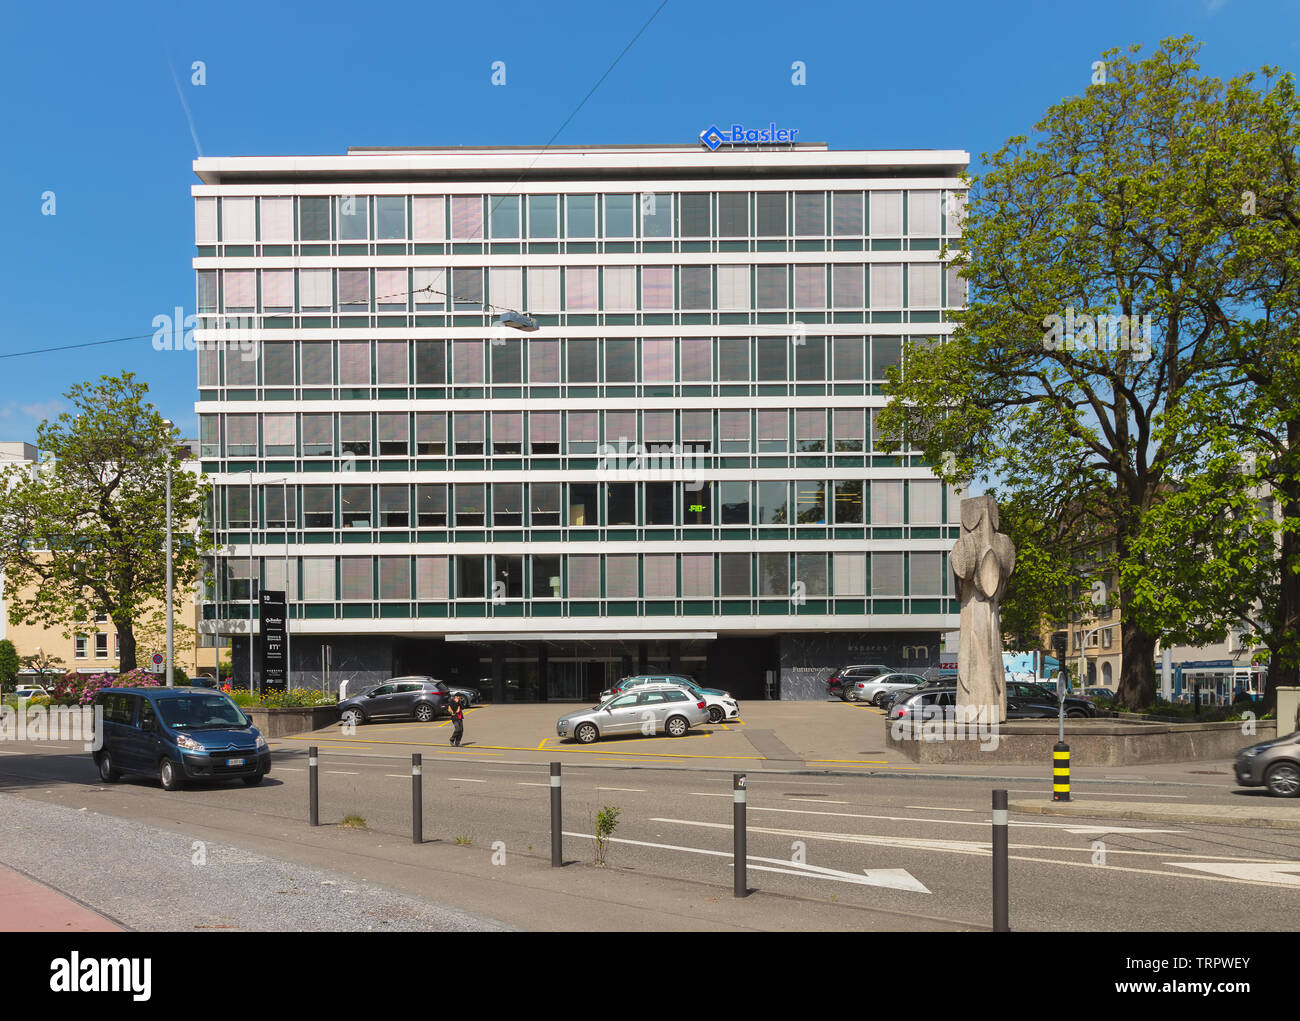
{"type": "Point", "coordinates": [390, 217]}
{"type": "Point", "coordinates": [850, 429]}
{"type": "Point", "coordinates": [810, 429]}
{"type": "Point", "coordinates": [770, 214]}
{"type": "Point", "coordinates": [924, 213]}
{"type": "Point", "coordinates": [697, 430]}
{"type": "Point", "coordinates": [356, 578]}
{"type": "Point", "coordinates": [584, 576]}
{"type": "Point", "coordinates": [318, 579]}
{"type": "Point", "coordinates": [278, 435]}
{"type": "Point", "coordinates": [353, 217]}
{"type": "Point", "coordinates": [545, 576]}
{"type": "Point", "coordinates": [697, 503]}
{"type": "Point", "coordinates": [733, 358]}
{"type": "Point", "coordinates": [886, 503]}
{"type": "Point", "coordinates": [810, 502]}
{"type": "Point", "coordinates": [582, 504]}
{"type": "Point", "coordinates": [354, 504]}
{"type": "Point", "coordinates": [695, 218]}
{"type": "Point", "coordinates": [810, 570]}
{"type": "Point", "coordinates": [318, 435]}
{"type": "Point", "coordinates": [467, 432]}
{"type": "Point", "coordinates": [885, 351]}
{"type": "Point", "coordinates": [773, 431]}
{"type": "Point", "coordinates": [467, 289]}
{"type": "Point", "coordinates": [507, 360]}
{"type": "Point", "coordinates": [886, 574]}
{"type": "Point", "coordinates": [774, 574]}
{"type": "Point", "coordinates": [697, 360]}
{"type": "Point", "coordinates": [620, 428]}
{"type": "Point", "coordinates": [733, 214]}
{"type": "Point", "coordinates": [470, 510]}
{"type": "Point", "coordinates": [620, 361]}
{"type": "Point", "coordinates": [428, 218]}
{"type": "Point", "coordinates": [697, 575]}
{"type": "Point", "coordinates": [508, 576]}
{"type": "Point", "coordinates": [660, 575]}
{"type": "Point", "coordinates": [847, 358]}
{"type": "Point", "coordinates": [620, 288]}
{"type": "Point", "coordinates": [583, 367]}
{"type": "Point", "coordinates": [544, 432]}
{"type": "Point", "coordinates": [733, 498]}
{"type": "Point", "coordinates": [584, 432]}
{"type": "Point", "coordinates": [923, 282]}
{"type": "Point", "coordinates": [659, 430]}
{"type": "Point", "coordinates": [733, 571]}
{"type": "Point", "coordinates": [241, 435]}
{"type": "Point", "coordinates": [656, 215]}
{"type": "Point", "coordinates": [507, 432]}
{"type": "Point", "coordinates": [544, 361]}
{"type": "Point", "coordinates": [277, 289]}
{"type": "Point", "coordinates": [846, 287]}
{"type": "Point", "coordinates": [101, 646]}
{"type": "Point", "coordinates": [846, 214]}
{"type": "Point", "coordinates": [390, 363]}
{"type": "Point", "coordinates": [810, 359]}
{"type": "Point", "coordinates": [620, 216]}
{"type": "Point", "coordinates": [848, 501]}
{"type": "Point", "coordinates": [580, 216]}
{"type": "Point", "coordinates": [771, 359]}
{"type": "Point", "coordinates": [657, 361]}
{"type": "Point", "coordinates": [621, 576]}
{"type": "Point", "coordinates": [431, 506]}
{"type": "Point", "coordinates": [237, 219]}
{"type": "Point", "coordinates": [620, 507]}
{"type": "Point", "coordinates": [850, 574]}
{"type": "Point", "coordinates": [354, 362]}
{"type": "Point", "coordinates": [926, 578]}
{"type": "Point", "coordinates": [394, 578]}
{"type": "Point", "coordinates": [659, 503]}
{"type": "Point", "coordinates": [79, 643]}
{"type": "Point", "coordinates": [431, 361]}
{"type": "Point", "coordinates": [886, 214]}
{"type": "Point", "coordinates": [733, 431]}
{"type": "Point", "coordinates": [467, 217]}
{"type": "Point", "coordinates": [505, 215]}
{"type": "Point", "coordinates": [543, 216]}
{"type": "Point", "coordinates": [429, 289]}
{"type": "Point", "coordinates": [278, 515]}
{"type": "Point", "coordinates": [810, 287]}
{"type": "Point", "coordinates": [508, 504]}
{"type": "Point", "coordinates": [392, 428]}
{"type": "Point", "coordinates": [810, 214]}
{"type": "Point", "coordinates": [733, 288]}
{"type": "Point", "coordinates": [927, 503]}
{"type": "Point", "coordinates": [544, 498]}
{"type": "Point", "coordinates": [354, 435]}
{"type": "Point", "coordinates": [394, 507]}
{"type": "Point", "coordinates": [771, 287]}
{"type": "Point", "coordinates": [314, 218]}
{"type": "Point", "coordinates": [697, 287]}
{"type": "Point", "coordinates": [657, 288]}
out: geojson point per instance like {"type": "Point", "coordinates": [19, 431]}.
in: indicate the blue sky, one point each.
{"type": "Point", "coordinates": [92, 113]}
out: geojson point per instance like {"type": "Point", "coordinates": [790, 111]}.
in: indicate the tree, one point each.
{"type": "Point", "coordinates": [84, 532]}
{"type": "Point", "coordinates": [8, 664]}
{"type": "Point", "coordinates": [1095, 259]}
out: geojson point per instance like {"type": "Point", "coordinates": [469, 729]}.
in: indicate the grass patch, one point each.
{"type": "Point", "coordinates": [354, 821]}
{"type": "Point", "coordinates": [465, 840]}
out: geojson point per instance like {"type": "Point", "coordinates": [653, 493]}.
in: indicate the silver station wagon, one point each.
{"type": "Point", "coordinates": [648, 710]}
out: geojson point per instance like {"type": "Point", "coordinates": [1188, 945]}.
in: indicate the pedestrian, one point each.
{"type": "Point", "coordinates": [457, 709]}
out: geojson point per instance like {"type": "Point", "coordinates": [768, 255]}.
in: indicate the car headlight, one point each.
{"type": "Point", "coordinates": [188, 743]}
{"type": "Point", "coordinates": [261, 743]}
{"type": "Point", "coordinates": [1250, 753]}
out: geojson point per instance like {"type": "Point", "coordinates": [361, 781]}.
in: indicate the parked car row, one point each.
{"type": "Point", "coordinates": [418, 697]}
{"type": "Point", "coordinates": [1025, 701]}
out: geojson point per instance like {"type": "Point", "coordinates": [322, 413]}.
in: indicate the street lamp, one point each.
{"type": "Point", "coordinates": [169, 659]}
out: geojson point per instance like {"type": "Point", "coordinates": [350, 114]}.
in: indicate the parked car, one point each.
{"type": "Point", "coordinates": [858, 672]}
{"type": "Point", "coordinates": [472, 696]}
{"type": "Point", "coordinates": [909, 703]}
{"type": "Point", "coordinates": [203, 681]}
{"type": "Point", "coordinates": [1273, 764]}
{"type": "Point", "coordinates": [721, 705]}
{"type": "Point", "coordinates": [420, 698]}
{"type": "Point", "coordinates": [1024, 701]}
{"type": "Point", "coordinates": [672, 710]}
{"type": "Point", "coordinates": [1099, 692]}
{"type": "Point", "coordinates": [875, 688]}
{"type": "Point", "coordinates": [30, 691]}
{"type": "Point", "coordinates": [891, 698]}
{"type": "Point", "coordinates": [177, 735]}
{"type": "Point", "coordinates": [637, 679]}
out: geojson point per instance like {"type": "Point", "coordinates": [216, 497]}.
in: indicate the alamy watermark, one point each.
{"type": "Point", "coordinates": [1082, 332]}
{"type": "Point", "coordinates": [630, 460]}
{"type": "Point", "coordinates": [54, 723]}
{"type": "Point", "coordinates": [176, 332]}
{"type": "Point", "coordinates": [950, 723]}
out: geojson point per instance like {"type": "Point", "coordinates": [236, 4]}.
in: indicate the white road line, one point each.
{"type": "Point", "coordinates": [1076, 792]}
{"type": "Point", "coordinates": [819, 801]}
{"type": "Point", "coordinates": [1068, 827]}
{"type": "Point", "coordinates": [939, 808]}
{"type": "Point", "coordinates": [525, 783]}
{"type": "Point", "coordinates": [465, 779]}
{"type": "Point", "coordinates": [701, 794]}
{"type": "Point", "coordinates": [289, 769]}
{"type": "Point", "coordinates": [342, 772]}
{"type": "Point", "coordinates": [630, 790]}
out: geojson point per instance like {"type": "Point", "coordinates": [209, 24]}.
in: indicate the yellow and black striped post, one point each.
{"type": "Point", "coordinates": [1060, 771]}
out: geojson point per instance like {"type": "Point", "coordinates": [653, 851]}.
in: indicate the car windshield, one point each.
{"type": "Point", "coordinates": [200, 712]}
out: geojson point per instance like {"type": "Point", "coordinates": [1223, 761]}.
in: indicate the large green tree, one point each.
{"type": "Point", "coordinates": [83, 532]}
{"type": "Point", "coordinates": [1115, 208]}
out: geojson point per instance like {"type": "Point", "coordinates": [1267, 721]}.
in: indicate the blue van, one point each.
{"type": "Point", "coordinates": [178, 734]}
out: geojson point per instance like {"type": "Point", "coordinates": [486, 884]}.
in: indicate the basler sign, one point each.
{"type": "Point", "coordinates": [714, 137]}
{"type": "Point", "coordinates": [273, 641]}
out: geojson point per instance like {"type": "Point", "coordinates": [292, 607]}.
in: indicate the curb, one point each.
{"type": "Point", "coordinates": [1132, 813]}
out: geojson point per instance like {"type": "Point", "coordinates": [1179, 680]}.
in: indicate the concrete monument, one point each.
{"type": "Point", "coordinates": [982, 561]}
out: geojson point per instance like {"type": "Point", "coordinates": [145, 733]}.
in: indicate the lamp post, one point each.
{"type": "Point", "coordinates": [169, 659]}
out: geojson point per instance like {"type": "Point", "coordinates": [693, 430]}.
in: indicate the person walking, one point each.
{"type": "Point", "coordinates": [456, 707]}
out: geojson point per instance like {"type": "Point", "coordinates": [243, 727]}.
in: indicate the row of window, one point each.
{"type": "Point", "coordinates": [550, 289]}
{"type": "Point", "coordinates": [595, 576]}
{"type": "Point", "coordinates": [791, 355]}
{"type": "Point", "coordinates": [81, 646]}
{"type": "Point", "coordinates": [628, 435]}
{"type": "Point", "coordinates": [438, 218]}
{"type": "Point", "coordinates": [546, 504]}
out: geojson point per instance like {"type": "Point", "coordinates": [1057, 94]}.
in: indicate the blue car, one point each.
{"type": "Point", "coordinates": [178, 735]}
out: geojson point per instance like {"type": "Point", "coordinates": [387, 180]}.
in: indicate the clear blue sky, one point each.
{"type": "Point", "coordinates": [91, 112]}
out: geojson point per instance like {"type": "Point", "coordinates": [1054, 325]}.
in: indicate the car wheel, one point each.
{"type": "Point", "coordinates": [1075, 714]}
{"type": "Point", "coordinates": [1283, 780]}
{"type": "Point", "coordinates": [425, 712]}
{"type": "Point", "coordinates": [716, 715]}
{"type": "Point", "coordinates": [879, 700]}
{"type": "Point", "coordinates": [254, 780]}
{"type": "Point", "coordinates": [354, 717]}
{"type": "Point", "coordinates": [107, 771]}
{"type": "Point", "coordinates": [848, 695]}
{"type": "Point", "coordinates": [677, 726]}
{"type": "Point", "coordinates": [586, 733]}
{"type": "Point", "coordinates": [169, 776]}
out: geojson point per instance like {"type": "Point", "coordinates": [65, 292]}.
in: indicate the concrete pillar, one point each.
{"type": "Point", "coordinates": [498, 675]}
{"type": "Point", "coordinates": [1288, 705]}
{"type": "Point", "coordinates": [543, 674]}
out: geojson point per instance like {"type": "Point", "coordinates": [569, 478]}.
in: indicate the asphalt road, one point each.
{"type": "Point", "coordinates": [856, 851]}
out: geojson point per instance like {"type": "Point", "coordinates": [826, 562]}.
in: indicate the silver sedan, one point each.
{"type": "Point", "coordinates": [669, 710]}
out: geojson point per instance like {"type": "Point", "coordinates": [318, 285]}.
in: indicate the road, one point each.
{"type": "Point", "coordinates": [838, 850]}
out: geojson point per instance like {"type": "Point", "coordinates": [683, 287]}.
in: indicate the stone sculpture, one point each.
{"type": "Point", "coordinates": [982, 561]}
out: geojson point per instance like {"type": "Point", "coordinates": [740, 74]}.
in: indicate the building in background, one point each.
{"type": "Point", "coordinates": [678, 470]}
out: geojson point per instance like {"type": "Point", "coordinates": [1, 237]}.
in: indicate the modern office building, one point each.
{"type": "Point", "coordinates": [679, 468]}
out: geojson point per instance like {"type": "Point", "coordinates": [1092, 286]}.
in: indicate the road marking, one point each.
{"type": "Point", "coordinates": [819, 801]}
{"type": "Point", "coordinates": [1274, 873]}
{"type": "Point", "coordinates": [938, 808]}
{"type": "Point", "coordinates": [630, 790]}
{"type": "Point", "coordinates": [896, 879]}
{"type": "Point", "coordinates": [399, 776]}
{"type": "Point", "coordinates": [465, 779]}
{"type": "Point", "coordinates": [341, 772]}
{"type": "Point", "coordinates": [543, 744]}
{"type": "Point", "coordinates": [1100, 794]}
{"type": "Point", "coordinates": [525, 783]}
{"type": "Point", "coordinates": [1068, 827]}
{"type": "Point", "coordinates": [289, 769]}
{"type": "Point", "coordinates": [855, 762]}
{"type": "Point", "coordinates": [702, 794]}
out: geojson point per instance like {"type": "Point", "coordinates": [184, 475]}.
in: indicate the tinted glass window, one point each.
{"type": "Point", "coordinates": [384, 689]}
{"type": "Point", "coordinates": [675, 696]}
{"type": "Point", "coordinates": [196, 712]}
{"type": "Point", "coordinates": [623, 700]}
{"type": "Point", "coordinates": [652, 696]}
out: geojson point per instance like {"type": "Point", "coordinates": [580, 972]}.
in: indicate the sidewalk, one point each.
{"type": "Point", "coordinates": [27, 905]}
{"type": "Point", "coordinates": [1275, 816]}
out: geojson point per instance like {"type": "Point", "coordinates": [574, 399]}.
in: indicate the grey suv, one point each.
{"type": "Point", "coordinates": [647, 710]}
{"type": "Point", "coordinates": [420, 698]}
{"type": "Point", "coordinates": [1273, 764]}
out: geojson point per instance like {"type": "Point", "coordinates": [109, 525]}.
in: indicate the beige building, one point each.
{"type": "Point", "coordinates": [95, 647]}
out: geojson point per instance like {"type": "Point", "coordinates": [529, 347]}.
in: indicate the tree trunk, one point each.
{"type": "Point", "coordinates": [1137, 676]}
{"type": "Point", "coordinates": [1284, 661]}
{"type": "Point", "coordinates": [126, 639]}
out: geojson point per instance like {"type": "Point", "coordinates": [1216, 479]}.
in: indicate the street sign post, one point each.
{"type": "Point", "coordinates": [271, 640]}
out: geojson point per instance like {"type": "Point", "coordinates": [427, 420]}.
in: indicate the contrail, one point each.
{"type": "Point", "coordinates": [185, 106]}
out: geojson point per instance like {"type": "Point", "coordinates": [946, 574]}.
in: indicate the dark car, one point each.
{"type": "Point", "coordinates": [1273, 764]}
{"type": "Point", "coordinates": [419, 698]}
{"type": "Point", "coordinates": [838, 681]}
{"type": "Point", "coordinates": [178, 734]}
{"type": "Point", "coordinates": [891, 698]}
{"type": "Point", "coordinates": [1024, 701]}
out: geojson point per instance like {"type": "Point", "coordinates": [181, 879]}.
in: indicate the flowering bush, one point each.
{"type": "Point", "coordinates": [81, 689]}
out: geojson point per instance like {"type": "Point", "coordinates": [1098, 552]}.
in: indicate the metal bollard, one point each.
{"type": "Point", "coordinates": [313, 784]}
{"type": "Point", "coordinates": [739, 849]}
{"type": "Point", "coordinates": [1060, 771]}
{"type": "Point", "coordinates": [557, 819]}
{"type": "Point", "coordinates": [1001, 908]}
{"type": "Point", "coordinates": [417, 798]}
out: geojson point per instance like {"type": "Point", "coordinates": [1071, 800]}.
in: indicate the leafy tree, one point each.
{"type": "Point", "coordinates": [84, 532]}
{"type": "Point", "coordinates": [8, 664]}
{"type": "Point", "coordinates": [1113, 210]}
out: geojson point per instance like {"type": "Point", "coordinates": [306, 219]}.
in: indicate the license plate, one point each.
{"type": "Point", "coordinates": [234, 762]}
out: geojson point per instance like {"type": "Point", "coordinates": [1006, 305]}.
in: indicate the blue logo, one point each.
{"type": "Point", "coordinates": [713, 137]}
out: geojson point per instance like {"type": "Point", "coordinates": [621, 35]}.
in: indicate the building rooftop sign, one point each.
{"type": "Point", "coordinates": [713, 137]}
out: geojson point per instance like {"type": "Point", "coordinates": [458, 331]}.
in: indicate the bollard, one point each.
{"type": "Point", "coordinates": [417, 798]}
{"type": "Point", "coordinates": [1060, 771]}
{"type": "Point", "coordinates": [313, 786]}
{"type": "Point", "coordinates": [557, 819]}
{"type": "Point", "coordinates": [739, 850]}
{"type": "Point", "coordinates": [1001, 912]}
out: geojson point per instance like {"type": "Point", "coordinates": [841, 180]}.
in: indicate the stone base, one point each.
{"type": "Point", "coordinates": [1111, 742]}
{"type": "Point", "coordinates": [293, 720]}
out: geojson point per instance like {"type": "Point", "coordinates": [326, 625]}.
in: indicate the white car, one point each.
{"type": "Point", "coordinates": [874, 689]}
{"type": "Point", "coordinates": [30, 691]}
